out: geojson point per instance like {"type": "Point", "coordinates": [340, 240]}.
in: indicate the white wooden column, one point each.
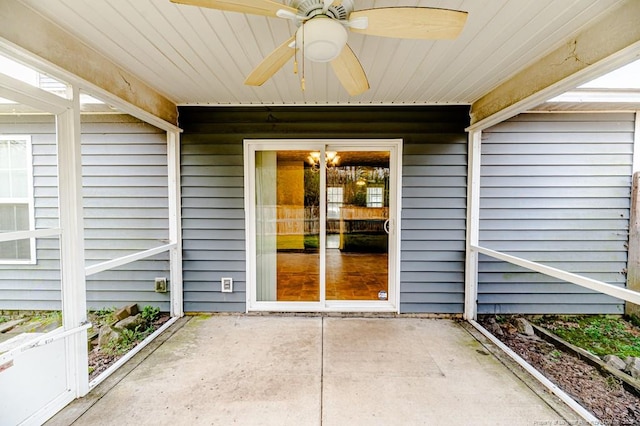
{"type": "Point", "coordinates": [175, 234]}
{"type": "Point", "coordinates": [72, 262]}
{"type": "Point", "coordinates": [473, 226]}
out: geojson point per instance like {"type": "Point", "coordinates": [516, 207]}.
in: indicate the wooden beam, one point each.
{"type": "Point", "coordinates": [28, 30]}
{"type": "Point", "coordinates": [616, 32]}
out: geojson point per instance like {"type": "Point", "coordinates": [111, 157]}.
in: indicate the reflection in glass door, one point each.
{"type": "Point", "coordinates": [357, 225]}
{"type": "Point", "coordinates": [287, 227]}
{"type": "Point", "coordinates": [319, 222]}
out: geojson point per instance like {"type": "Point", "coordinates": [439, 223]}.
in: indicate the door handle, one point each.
{"type": "Point", "coordinates": [386, 226]}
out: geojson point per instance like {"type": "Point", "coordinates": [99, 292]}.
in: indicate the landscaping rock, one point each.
{"type": "Point", "coordinates": [632, 366]}
{"type": "Point", "coordinates": [493, 327]}
{"type": "Point", "coordinates": [130, 323]}
{"type": "Point", "coordinates": [614, 362]}
{"type": "Point", "coordinates": [524, 327]}
{"type": "Point", "coordinates": [106, 335]}
{"type": "Point", "coordinates": [126, 311]}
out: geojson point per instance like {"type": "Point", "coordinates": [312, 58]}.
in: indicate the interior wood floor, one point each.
{"type": "Point", "coordinates": [350, 276]}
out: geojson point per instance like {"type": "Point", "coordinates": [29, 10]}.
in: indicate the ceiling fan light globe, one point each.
{"type": "Point", "coordinates": [323, 39]}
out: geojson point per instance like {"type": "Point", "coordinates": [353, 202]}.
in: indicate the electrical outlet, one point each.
{"type": "Point", "coordinates": [227, 285]}
{"type": "Point", "coordinates": [161, 284]}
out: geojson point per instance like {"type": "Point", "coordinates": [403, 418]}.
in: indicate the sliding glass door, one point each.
{"type": "Point", "coordinates": [320, 224]}
{"type": "Point", "coordinates": [287, 227]}
{"type": "Point", "coordinates": [357, 221]}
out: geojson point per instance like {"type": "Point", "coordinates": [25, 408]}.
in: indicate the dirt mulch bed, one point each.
{"type": "Point", "coordinates": [100, 360]}
{"type": "Point", "coordinates": [603, 395]}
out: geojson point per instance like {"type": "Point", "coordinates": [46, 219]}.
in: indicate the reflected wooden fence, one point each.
{"type": "Point", "coordinates": [295, 220]}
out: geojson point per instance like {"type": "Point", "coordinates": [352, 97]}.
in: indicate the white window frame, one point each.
{"type": "Point", "coordinates": [332, 192]}
{"type": "Point", "coordinates": [28, 200]}
{"type": "Point", "coordinates": [375, 198]}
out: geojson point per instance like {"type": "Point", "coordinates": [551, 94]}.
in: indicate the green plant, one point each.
{"type": "Point", "coordinates": [599, 334]}
{"type": "Point", "coordinates": [360, 199]}
{"type": "Point", "coordinates": [128, 339]}
{"type": "Point", "coordinates": [150, 313]}
{"type": "Point", "coordinates": [103, 316]}
{"type": "Point", "coordinates": [613, 383]}
{"type": "Point", "coordinates": [311, 241]}
{"type": "Point", "coordinates": [555, 355]}
{"type": "Point", "coordinates": [104, 312]}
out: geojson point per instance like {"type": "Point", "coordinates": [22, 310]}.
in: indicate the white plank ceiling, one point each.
{"type": "Point", "coordinates": [202, 56]}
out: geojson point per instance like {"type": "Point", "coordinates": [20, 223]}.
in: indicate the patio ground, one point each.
{"type": "Point", "coordinates": [312, 370]}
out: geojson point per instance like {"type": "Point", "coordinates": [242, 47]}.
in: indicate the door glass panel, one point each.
{"type": "Point", "coordinates": [287, 227]}
{"type": "Point", "coordinates": [357, 225]}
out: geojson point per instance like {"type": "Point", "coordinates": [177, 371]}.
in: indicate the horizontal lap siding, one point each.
{"type": "Point", "coordinates": [125, 208]}
{"type": "Point", "coordinates": [433, 222]}
{"type": "Point", "coordinates": [36, 287]}
{"type": "Point", "coordinates": [212, 222]}
{"type": "Point", "coordinates": [555, 190]}
{"type": "Point", "coordinates": [124, 167]}
{"type": "Point", "coordinates": [433, 194]}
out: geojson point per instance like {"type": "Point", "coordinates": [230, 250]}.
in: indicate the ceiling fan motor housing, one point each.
{"type": "Point", "coordinates": [309, 8]}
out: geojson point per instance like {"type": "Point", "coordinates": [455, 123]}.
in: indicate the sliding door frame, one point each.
{"type": "Point", "coordinates": [394, 146]}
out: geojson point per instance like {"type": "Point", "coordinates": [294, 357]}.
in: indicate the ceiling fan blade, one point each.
{"type": "Point", "coordinates": [254, 7]}
{"type": "Point", "coordinates": [350, 72]}
{"type": "Point", "coordinates": [411, 22]}
{"type": "Point", "coordinates": [271, 64]}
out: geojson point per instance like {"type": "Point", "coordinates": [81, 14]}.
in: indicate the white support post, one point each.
{"type": "Point", "coordinates": [636, 144]}
{"type": "Point", "coordinates": [633, 247]}
{"type": "Point", "coordinates": [175, 234]}
{"type": "Point", "coordinates": [74, 304]}
{"type": "Point", "coordinates": [473, 226]}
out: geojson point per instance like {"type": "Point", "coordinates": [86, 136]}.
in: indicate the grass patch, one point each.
{"type": "Point", "coordinates": [599, 334]}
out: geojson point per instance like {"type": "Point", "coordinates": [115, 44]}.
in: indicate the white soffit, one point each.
{"type": "Point", "coordinates": [202, 56]}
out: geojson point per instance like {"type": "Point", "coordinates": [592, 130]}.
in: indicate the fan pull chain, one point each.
{"type": "Point", "coordinates": [295, 55]}
{"type": "Point", "coordinates": [302, 86]}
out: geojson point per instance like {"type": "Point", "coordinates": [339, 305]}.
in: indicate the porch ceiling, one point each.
{"type": "Point", "coordinates": [201, 56]}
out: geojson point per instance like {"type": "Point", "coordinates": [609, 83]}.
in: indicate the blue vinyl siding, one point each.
{"type": "Point", "coordinates": [555, 190]}
{"type": "Point", "coordinates": [433, 194]}
{"type": "Point", "coordinates": [125, 208]}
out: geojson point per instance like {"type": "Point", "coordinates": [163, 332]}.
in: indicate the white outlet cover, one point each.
{"type": "Point", "coordinates": [227, 285]}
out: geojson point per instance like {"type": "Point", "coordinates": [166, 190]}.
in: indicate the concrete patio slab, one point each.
{"type": "Point", "coordinates": [296, 370]}
{"type": "Point", "coordinates": [419, 372]}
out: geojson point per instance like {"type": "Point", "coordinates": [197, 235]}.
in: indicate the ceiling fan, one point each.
{"type": "Point", "coordinates": [322, 32]}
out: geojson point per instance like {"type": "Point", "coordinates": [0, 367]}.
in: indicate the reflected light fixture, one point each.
{"type": "Point", "coordinates": [331, 159]}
